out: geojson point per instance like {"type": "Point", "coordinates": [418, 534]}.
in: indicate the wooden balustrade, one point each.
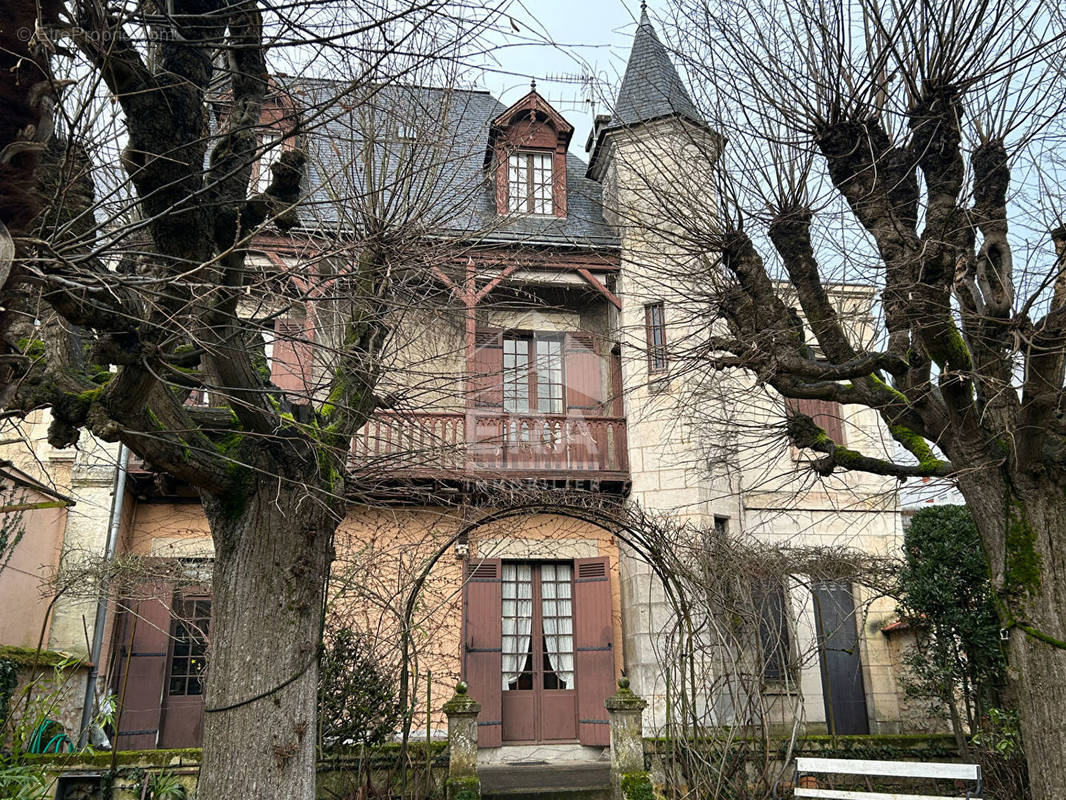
{"type": "Point", "coordinates": [498, 443]}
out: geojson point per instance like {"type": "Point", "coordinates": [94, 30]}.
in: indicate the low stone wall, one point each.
{"type": "Point", "coordinates": [83, 777]}
{"type": "Point", "coordinates": [58, 690]}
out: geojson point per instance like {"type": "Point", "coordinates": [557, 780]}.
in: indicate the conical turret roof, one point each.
{"type": "Point", "coordinates": [651, 88]}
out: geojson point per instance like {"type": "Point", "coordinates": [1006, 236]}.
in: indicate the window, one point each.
{"type": "Point", "coordinates": [533, 374]}
{"type": "Point", "coordinates": [189, 629]}
{"type": "Point", "coordinates": [271, 152]}
{"type": "Point", "coordinates": [549, 375]}
{"type": "Point", "coordinates": [516, 375]}
{"type": "Point", "coordinates": [721, 527]}
{"type": "Point", "coordinates": [771, 602]}
{"type": "Point", "coordinates": [204, 397]}
{"type": "Point", "coordinates": [538, 617]}
{"type": "Point", "coordinates": [655, 331]}
{"type": "Point", "coordinates": [529, 183]}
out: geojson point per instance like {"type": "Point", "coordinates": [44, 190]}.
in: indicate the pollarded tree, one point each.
{"type": "Point", "coordinates": [135, 287]}
{"type": "Point", "coordinates": [891, 144]}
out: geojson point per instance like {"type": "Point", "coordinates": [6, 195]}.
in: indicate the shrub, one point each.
{"type": "Point", "coordinates": [357, 697]}
{"type": "Point", "coordinates": [946, 596]}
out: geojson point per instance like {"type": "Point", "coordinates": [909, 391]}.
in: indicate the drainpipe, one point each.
{"type": "Point", "coordinates": [118, 496]}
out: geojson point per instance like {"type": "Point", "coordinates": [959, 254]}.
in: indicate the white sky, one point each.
{"type": "Point", "coordinates": [590, 37]}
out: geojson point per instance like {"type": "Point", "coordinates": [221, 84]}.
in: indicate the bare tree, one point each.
{"type": "Point", "coordinates": [890, 145]}
{"type": "Point", "coordinates": [136, 288]}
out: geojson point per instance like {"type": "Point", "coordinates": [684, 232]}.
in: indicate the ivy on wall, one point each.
{"type": "Point", "coordinates": [8, 680]}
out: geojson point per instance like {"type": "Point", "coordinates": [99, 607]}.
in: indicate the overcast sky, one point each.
{"type": "Point", "coordinates": [591, 37]}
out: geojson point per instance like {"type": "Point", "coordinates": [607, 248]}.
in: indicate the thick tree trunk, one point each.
{"type": "Point", "coordinates": [272, 557]}
{"type": "Point", "coordinates": [1023, 526]}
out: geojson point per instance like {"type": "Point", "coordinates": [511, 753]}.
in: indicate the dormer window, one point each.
{"type": "Point", "coordinates": [529, 183]}
{"type": "Point", "coordinates": [527, 153]}
{"type": "Point", "coordinates": [270, 153]}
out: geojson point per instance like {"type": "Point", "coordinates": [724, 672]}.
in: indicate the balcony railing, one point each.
{"type": "Point", "coordinates": [499, 443]}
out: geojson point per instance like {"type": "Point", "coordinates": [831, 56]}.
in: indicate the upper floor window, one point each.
{"type": "Point", "coordinates": [826, 414]}
{"type": "Point", "coordinates": [270, 153]}
{"type": "Point", "coordinates": [655, 332]}
{"type": "Point", "coordinates": [533, 374]}
{"type": "Point", "coordinates": [529, 183]}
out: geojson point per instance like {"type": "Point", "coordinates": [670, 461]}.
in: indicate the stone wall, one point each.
{"type": "Point", "coordinates": [338, 775]}
{"type": "Point", "coordinates": [50, 686]}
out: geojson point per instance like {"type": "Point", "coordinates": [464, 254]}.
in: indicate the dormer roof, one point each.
{"type": "Point", "coordinates": [533, 108]}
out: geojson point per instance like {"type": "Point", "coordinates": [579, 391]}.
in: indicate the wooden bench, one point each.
{"type": "Point", "coordinates": [808, 770]}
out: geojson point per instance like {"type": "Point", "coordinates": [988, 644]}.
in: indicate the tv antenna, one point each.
{"type": "Point", "coordinates": [588, 93]}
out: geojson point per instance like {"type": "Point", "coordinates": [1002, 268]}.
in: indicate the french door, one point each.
{"type": "Point", "coordinates": [538, 676]}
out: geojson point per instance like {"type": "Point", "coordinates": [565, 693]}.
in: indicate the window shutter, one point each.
{"type": "Point", "coordinates": [482, 656]}
{"type": "Point", "coordinates": [771, 604]}
{"type": "Point", "coordinates": [584, 384]}
{"type": "Point", "coordinates": [291, 367]}
{"type": "Point", "coordinates": [827, 415]}
{"type": "Point", "coordinates": [616, 407]}
{"type": "Point", "coordinates": [593, 642]}
{"type": "Point", "coordinates": [147, 621]}
{"type": "Point", "coordinates": [486, 378]}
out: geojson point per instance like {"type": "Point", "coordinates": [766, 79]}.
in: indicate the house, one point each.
{"type": "Point", "coordinates": [537, 370]}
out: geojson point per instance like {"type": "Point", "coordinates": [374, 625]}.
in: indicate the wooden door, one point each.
{"type": "Point", "coordinates": [183, 701]}
{"type": "Point", "coordinates": [843, 691]}
{"type": "Point", "coordinates": [538, 665]}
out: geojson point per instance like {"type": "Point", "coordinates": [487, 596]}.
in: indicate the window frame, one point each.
{"type": "Point", "coordinates": [655, 337]}
{"type": "Point", "coordinates": [201, 635]}
{"type": "Point", "coordinates": [522, 184]}
{"type": "Point", "coordinates": [270, 150]}
{"type": "Point", "coordinates": [534, 372]}
{"type": "Point", "coordinates": [776, 660]}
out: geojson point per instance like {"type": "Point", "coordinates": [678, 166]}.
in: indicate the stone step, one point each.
{"type": "Point", "coordinates": [559, 781]}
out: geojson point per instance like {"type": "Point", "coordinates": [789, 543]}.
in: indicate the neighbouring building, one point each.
{"type": "Point", "coordinates": [544, 366]}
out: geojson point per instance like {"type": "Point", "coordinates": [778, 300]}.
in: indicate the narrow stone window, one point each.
{"type": "Point", "coordinates": [771, 602]}
{"type": "Point", "coordinates": [655, 333]}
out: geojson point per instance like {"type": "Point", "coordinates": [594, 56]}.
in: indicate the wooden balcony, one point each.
{"type": "Point", "coordinates": [483, 445]}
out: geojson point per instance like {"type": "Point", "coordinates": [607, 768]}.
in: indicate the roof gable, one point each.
{"type": "Point", "coordinates": [535, 108]}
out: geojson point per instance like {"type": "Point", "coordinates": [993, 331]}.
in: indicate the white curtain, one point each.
{"type": "Point", "coordinates": [557, 612]}
{"type": "Point", "coordinates": [517, 619]}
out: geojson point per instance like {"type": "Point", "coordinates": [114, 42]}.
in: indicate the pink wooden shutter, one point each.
{"type": "Point", "coordinates": [486, 379]}
{"type": "Point", "coordinates": [616, 407]}
{"type": "Point", "coordinates": [482, 656]}
{"type": "Point", "coordinates": [584, 385]}
{"type": "Point", "coordinates": [291, 367]}
{"type": "Point", "coordinates": [826, 414]}
{"type": "Point", "coordinates": [148, 622]}
{"type": "Point", "coordinates": [593, 641]}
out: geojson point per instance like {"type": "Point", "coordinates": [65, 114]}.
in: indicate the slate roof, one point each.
{"type": "Point", "coordinates": [651, 88]}
{"type": "Point", "coordinates": [436, 139]}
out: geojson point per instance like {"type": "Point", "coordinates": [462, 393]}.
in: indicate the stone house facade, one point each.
{"type": "Point", "coordinates": [547, 369]}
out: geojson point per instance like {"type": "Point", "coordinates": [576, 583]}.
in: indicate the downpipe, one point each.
{"type": "Point", "coordinates": [118, 497]}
